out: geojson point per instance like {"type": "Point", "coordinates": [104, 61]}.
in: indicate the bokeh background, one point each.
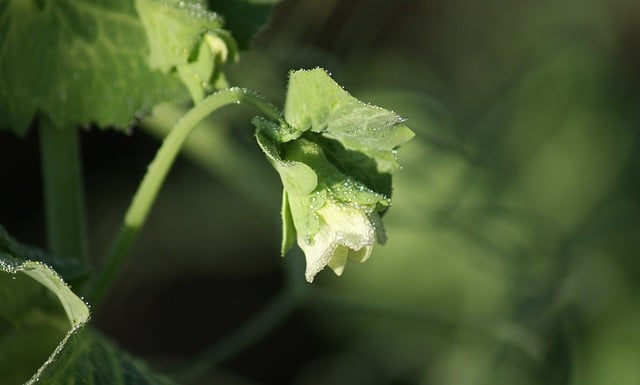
{"type": "Point", "coordinates": [515, 228]}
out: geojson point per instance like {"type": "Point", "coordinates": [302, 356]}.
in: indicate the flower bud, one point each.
{"type": "Point", "coordinates": [335, 156]}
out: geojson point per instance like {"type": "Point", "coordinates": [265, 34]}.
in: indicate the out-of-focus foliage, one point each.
{"type": "Point", "coordinates": [513, 237]}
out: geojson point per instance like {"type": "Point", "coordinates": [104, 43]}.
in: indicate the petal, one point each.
{"type": "Point", "coordinates": [351, 226]}
{"type": "Point", "coordinates": [339, 259]}
{"type": "Point", "coordinates": [361, 255]}
{"type": "Point", "coordinates": [345, 233]}
{"type": "Point", "coordinates": [319, 252]}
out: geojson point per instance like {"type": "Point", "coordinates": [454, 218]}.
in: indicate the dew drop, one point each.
{"type": "Point", "coordinates": [308, 239]}
{"type": "Point", "coordinates": [316, 202]}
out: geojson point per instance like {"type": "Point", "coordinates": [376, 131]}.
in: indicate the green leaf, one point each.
{"type": "Point", "coordinates": [358, 165]}
{"type": "Point", "coordinates": [316, 103]}
{"type": "Point", "coordinates": [297, 177]}
{"type": "Point", "coordinates": [184, 36]}
{"type": "Point", "coordinates": [79, 62]}
{"type": "Point", "coordinates": [244, 18]}
{"type": "Point", "coordinates": [43, 334]}
{"type": "Point", "coordinates": [89, 358]}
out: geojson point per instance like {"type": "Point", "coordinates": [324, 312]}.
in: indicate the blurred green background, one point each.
{"type": "Point", "coordinates": [515, 228]}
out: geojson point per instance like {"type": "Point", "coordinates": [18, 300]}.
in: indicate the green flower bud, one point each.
{"type": "Point", "coordinates": [334, 221]}
{"type": "Point", "coordinates": [335, 156]}
{"type": "Point", "coordinates": [333, 217]}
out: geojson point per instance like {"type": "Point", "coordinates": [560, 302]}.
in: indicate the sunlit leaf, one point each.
{"type": "Point", "coordinates": [317, 103]}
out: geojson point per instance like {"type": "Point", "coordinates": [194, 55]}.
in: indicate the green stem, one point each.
{"type": "Point", "coordinates": [156, 174]}
{"type": "Point", "coordinates": [63, 191]}
{"type": "Point", "coordinates": [275, 312]}
{"type": "Point", "coordinates": [272, 315]}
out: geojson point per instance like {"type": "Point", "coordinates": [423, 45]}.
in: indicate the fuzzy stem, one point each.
{"type": "Point", "coordinates": [156, 174]}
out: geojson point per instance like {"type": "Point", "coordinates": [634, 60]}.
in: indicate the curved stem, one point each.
{"type": "Point", "coordinates": [156, 173]}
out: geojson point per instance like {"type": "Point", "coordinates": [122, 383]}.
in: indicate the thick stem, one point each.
{"type": "Point", "coordinates": [63, 191]}
{"type": "Point", "coordinates": [156, 174]}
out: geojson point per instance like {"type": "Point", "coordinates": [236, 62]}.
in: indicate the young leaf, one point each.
{"type": "Point", "coordinates": [316, 103]}
{"type": "Point", "coordinates": [184, 36]}
{"type": "Point", "coordinates": [298, 179]}
{"type": "Point", "coordinates": [45, 339]}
